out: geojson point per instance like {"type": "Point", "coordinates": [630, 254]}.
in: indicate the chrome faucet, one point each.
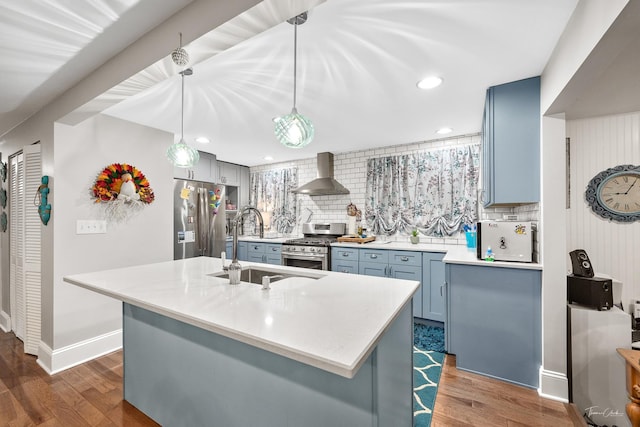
{"type": "Point", "coordinates": [234, 267]}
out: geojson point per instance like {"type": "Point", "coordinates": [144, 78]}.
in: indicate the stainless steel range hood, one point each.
{"type": "Point", "coordinates": [325, 184]}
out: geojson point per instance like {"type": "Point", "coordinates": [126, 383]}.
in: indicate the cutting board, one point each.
{"type": "Point", "coordinates": [356, 239]}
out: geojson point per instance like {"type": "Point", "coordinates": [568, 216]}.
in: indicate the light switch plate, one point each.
{"type": "Point", "coordinates": [91, 226]}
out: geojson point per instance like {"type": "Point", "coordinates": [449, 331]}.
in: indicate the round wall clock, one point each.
{"type": "Point", "coordinates": [615, 193]}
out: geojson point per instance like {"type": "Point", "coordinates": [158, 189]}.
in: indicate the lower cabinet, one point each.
{"type": "Point", "coordinates": [242, 251]}
{"type": "Point", "coordinates": [344, 260]}
{"type": "Point", "coordinates": [433, 287]}
{"type": "Point", "coordinates": [270, 253]}
{"type": "Point", "coordinates": [425, 267]}
{"type": "Point", "coordinates": [494, 321]}
{"type": "Point", "coordinates": [396, 264]}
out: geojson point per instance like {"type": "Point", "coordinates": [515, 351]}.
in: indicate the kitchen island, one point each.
{"type": "Point", "coordinates": [330, 349]}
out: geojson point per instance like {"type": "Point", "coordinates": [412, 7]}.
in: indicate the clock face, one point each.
{"type": "Point", "coordinates": [620, 193]}
{"type": "Point", "coordinates": [615, 193]}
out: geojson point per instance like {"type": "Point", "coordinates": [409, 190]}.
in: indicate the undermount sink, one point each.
{"type": "Point", "coordinates": [255, 275]}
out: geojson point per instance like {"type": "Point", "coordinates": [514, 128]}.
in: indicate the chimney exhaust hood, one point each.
{"type": "Point", "coordinates": [325, 184]}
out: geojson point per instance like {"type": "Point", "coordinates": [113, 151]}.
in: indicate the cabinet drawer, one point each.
{"type": "Point", "coordinates": [273, 250]}
{"type": "Point", "coordinates": [344, 254]}
{"type": "Point", "coordinates": [344, 266]}
{"type": "Point", "coordinates": [374, 255]}
{"type": "Point", "coordinates": [405, 258]}
{"type": "Point", "coordinates": [255, 248]}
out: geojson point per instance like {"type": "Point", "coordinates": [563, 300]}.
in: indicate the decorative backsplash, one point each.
{"type": "Point", "coordinates": [350, 170]}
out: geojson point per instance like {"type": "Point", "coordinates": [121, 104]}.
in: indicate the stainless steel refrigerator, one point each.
{"type": "Point", "coordinates": [199, 219]}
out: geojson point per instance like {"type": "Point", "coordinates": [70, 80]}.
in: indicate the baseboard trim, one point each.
{"type": "Point", "coordinates": [5, 322]}
{"type": "Point", "coordinates": [554, 385]}
{"type": "Point", "coordinates": [54, 361]}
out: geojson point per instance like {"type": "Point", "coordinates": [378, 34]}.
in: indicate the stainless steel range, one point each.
{"type": "Point", "coordinates": [313, 250]}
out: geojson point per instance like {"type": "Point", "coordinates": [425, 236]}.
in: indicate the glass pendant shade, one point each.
{"type": "Point", "coordinates": [294, 130]}
{"type": "Point", "coordinates": [182, 155]}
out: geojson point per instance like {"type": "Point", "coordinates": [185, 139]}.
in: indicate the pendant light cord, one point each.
{"type": "Point", "coordinates": [295, 59]}
{"type": "Point", "coordinates": [182, 111]}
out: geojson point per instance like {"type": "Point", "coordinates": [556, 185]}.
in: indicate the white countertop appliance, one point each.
{"type": "Point", "coordinates": [509, 240]}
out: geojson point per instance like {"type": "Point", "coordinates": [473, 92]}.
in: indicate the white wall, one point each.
{"type": "Point", "coordinates": [350, 169]}
{"type": "Point", "coordinates": [197, 18]}
{"type": "Point", "coordinates": [598, 144]}
{"type": "Point", "coordinates": [82, 152]}
{"type": "Point", "coordinates": [589, 22]}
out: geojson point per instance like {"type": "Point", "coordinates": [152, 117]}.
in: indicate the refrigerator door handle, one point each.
{"type": "Point", "coordinates": [202, 221]}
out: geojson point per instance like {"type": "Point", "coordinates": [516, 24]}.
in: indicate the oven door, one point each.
{"type": "Point", "coordinates": [313, 261]}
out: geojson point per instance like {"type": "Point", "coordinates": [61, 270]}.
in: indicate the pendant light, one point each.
{"type": "Point", "coordinates": [294, 130]}
{"type": "Point", "coordinates": [181, 154]}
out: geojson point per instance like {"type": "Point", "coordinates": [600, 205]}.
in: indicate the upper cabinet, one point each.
{"type": "Point", "coordinates": [511, 144]}
{"type": "Point", "coordinates": [206, 170]}
{"type": "Point", "coordinates": [236, 178]}
{"type": "Point", "coordinates": [229, 173]}
{"type": "Point", "coordinates": [245, 185]}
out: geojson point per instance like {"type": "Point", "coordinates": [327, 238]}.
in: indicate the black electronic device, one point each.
{"type": "Point", "coordinates": [580, 263]}
{"type": "Point", "coordinates": [594, 292]}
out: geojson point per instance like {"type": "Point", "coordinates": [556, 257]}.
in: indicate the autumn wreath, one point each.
{"type": "Point", "coordinates": [109, 181]}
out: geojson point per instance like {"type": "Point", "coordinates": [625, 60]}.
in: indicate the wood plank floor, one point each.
{"type": "Point", "coordinates": [91, 395]}
{"type": "Point", "coordinates": [471, 400]}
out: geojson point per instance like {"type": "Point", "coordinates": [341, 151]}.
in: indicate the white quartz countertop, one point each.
{"type": "Point", "coordinates": [332, 323]}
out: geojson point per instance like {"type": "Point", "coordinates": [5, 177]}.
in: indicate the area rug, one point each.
{"type": "Point", "coordinates": [428, 337]}
{"type": "Point", "coordinates": [427, 368]}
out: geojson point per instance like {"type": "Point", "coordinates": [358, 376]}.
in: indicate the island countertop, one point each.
{"type": "Point", "coordinates": [332, 323]}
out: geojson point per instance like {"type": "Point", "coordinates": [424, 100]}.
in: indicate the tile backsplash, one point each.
{"type": "Point", "coordinates": [350, 169]}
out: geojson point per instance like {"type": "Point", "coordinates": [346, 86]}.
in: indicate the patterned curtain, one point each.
{"type": "Point", "coordinates": [433, 191]}
{"type": "Point", "coordinates": [271, 192]}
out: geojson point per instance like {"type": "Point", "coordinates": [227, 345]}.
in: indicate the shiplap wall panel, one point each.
{"type": "Point", "coordinates": [597, 144]}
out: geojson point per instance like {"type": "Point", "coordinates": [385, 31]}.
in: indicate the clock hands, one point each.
{"type": "Point", "coordinates": [628, 189]}
{"type": "Point", "coordinates": [634, 183]}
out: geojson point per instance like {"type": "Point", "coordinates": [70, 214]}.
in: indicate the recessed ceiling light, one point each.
{"type": "Point", "coordinates": [443, 131]}
{"type": "Point", "coordinates": [203, 140]}
{"type": "Point", "coordinates": [268, 158]}
{"type": "Point", "coordinates": [429, 82]}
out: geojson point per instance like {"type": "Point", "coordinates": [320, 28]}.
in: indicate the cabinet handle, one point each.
{"type": "Point", "coordinates": [404, 258]}
{"type": "Point", "coordinates": [344, 271]}
{"type": "Point", "coordinates": [274, 249]}
{"type": "Point", "coordinates": [441, 286]}
{"type": "Point", "coordinates": [373, 256]}
{"type": "Point", "coordinates": [345, 253]}
{"type": "Point", "coordinates": [390, 271]}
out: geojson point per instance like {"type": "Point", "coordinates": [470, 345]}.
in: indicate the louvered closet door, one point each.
{"type": "Point", "coordinates": [32, 254]}
{"type": "Point", "coordinates": [25, 242]}
{"type": "Point", "coordinates": [16, 245]}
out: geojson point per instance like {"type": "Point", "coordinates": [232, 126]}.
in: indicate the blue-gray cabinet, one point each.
{"type": "Point", "coordinates": [425, 267]}
{"type": "Point", "coordinates": [242, 250]}
{"type": "Point", "coordinates": [344, 260]}
{"type": "Point", "coordinates": [511, 144]}
{"type": "Point", "coordinates": [494, 321]}
{"type": "Point", "coordinates": [270, 253]}
{"type": "Point", "coordinates": [374, 262]}
{"type": "Point", "coordinates": [396, 264]}
{"type": "Point", "coordinates": [433, 287]}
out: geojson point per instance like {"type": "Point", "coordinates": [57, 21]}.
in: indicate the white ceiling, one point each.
{"type": "Point", "coordinates": [48, 46]}
{"type": "Point", "coordinates": [358, 64]}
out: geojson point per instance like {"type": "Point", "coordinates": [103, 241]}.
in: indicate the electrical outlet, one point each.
{"type": "Point", "coordinates": [91, 226]}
